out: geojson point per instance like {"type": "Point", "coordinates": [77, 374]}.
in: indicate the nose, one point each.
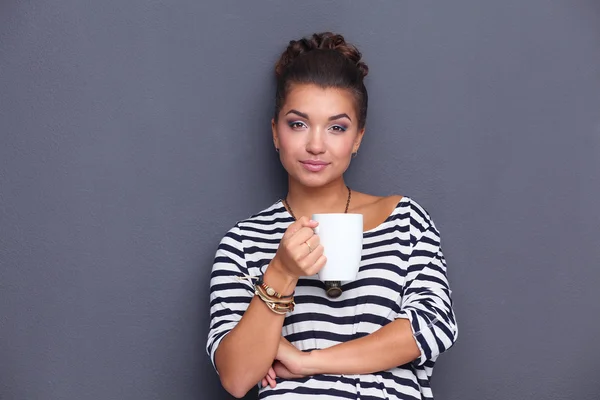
{"type": "Point", "coordinates": [316, 141]}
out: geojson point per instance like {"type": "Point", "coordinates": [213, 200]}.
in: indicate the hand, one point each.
{"type": "Point", "coordinates": [289, 360]}
{"type": "Point", "coordinates": [287, 350]}
{"type": "Point", "coordinates": [269, 379]}
{"type": "Point", "coordinates": [278, 370]}
{"type": "Point", "coordinates": [294, 256]}
{"type": "Point", "coordinates": [281, 370]}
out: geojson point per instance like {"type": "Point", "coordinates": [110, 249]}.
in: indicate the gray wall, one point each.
{"type": "Point", "coordinates": [134, 134]}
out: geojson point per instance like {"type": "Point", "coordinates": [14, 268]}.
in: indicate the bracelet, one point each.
{"type": "Point", "coordinates": [259, 291]}
{"type": "Point", "coordinates": [279, 310]}
{"type": "Point", "coordinates": [278, 306]}
{"type": "Point", "coordinates": [276, 302]}
{"type": "Point", "coordinates": [266, 298]}
{"type": "Point", "coordinates": [270, 291]}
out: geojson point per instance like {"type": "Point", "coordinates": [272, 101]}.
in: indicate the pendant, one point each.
{"type": "Point", "coordinates": [333, 289]}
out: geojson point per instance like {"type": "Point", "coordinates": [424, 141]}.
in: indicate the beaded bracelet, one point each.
{"type": "Point", "coordinates": [276, 302]}
{"type": "Point", "coordinates": [279, 306]}
{"type": "Point", "coordinates": [281, 309]}
{"type": "Point", "coordinates": [270, 291]}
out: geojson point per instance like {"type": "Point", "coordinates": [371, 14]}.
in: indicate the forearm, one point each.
{"type": "Point", "coordinates": [246, 353]}
{"type": "Point", "coordinates": [386, 348]}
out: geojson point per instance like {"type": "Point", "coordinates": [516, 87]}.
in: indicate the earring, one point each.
{"type": "Point", "coordinates": [277, 149]}
{"type": "Point", "coordinates": [354, 154]}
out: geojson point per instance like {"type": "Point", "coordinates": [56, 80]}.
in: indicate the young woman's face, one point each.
{"type": "Point", "coordinates": [316, 133]}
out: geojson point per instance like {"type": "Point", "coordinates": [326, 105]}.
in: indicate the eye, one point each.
{"type": "Point", "coordinates": [297, 125]}
{"type": "Point", "coordinates": [338, 128]}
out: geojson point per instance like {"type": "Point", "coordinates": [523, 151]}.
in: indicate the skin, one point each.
{"type": "Point", "coordinates": [314, 124]}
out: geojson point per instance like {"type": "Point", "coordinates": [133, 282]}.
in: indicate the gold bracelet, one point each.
{"type": "Point", "coordinates": [272, 299]}
{"type": "Point", "coordinates": [279, 305]}
{"type": "Point", "coordinates": [278, 308]}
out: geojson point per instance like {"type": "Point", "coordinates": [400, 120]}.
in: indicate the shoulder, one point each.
{"type": "Point", "coordinates": [421, 223]}
{"type": "Point", "coordinates": [262, 220]}
{"type": "Point", "coordinates": [420, 217]}
{"type": "Point", "coordinates": [273, 214]}
{"type": "Point", "coordinates": [247, 232]}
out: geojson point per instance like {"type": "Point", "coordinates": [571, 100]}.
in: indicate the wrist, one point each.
{"type": "Point", "coordinates": [279, 279]}
{"type": "Point", "coordinates": [310, 363]}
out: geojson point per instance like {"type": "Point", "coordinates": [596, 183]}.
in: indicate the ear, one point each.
{"type": "Point", "coordinates": [274, 132]}
{"type": "Point", "coordinates": [358, 140]}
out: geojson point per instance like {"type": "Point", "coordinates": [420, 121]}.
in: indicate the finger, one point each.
{"type": "Point", "coordinates": [271, 373]}
{"type": "Point", "coordinates": [296, 245]}
{"type": "Point", "coordinates": [301, 236]}
{"type": "Point", "coordinates": [299, 224]}
{"type": "Point", "coordinates": [307, 229]}
{"type": "Point", "coordinates": [317, 266]}
{"type": "Point", "coordinates": [310, 263]}
{"type": "Point", "coordinates": [272, 382]}
{"type": "Point", "coordinates": [294, 227]}
{"type": "Point", "coordinates": [303, 251]}
{"type": "Point", "coordinates": [311, 258]}
{"type": "Point", "coordinates": [264, 382]}
{"type": "Point", "coordinates": [307, 261]}
{"type": "Point", "coordinates": [314, 241]}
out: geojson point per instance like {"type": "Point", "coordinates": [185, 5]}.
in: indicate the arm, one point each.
{"type": "Point", "coordinates": [427, 298]}
{"type": "Point", "coordinates": [383, 349]}
{"type": "Point", "coordinates": [424, 327]}
{"type": "Point", "coordinates": [244, 334]}
{"type": "Point", "coordinates": [245, 354]}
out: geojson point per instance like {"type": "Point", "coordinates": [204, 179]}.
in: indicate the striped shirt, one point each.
{"type": "Point", "coordinates": [402, 275]}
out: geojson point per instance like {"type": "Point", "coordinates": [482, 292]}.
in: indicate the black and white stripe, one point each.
{"type": "Point", "coordinates": [402, 275]}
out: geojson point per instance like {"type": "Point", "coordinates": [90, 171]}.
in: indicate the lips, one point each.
{"type": "Point", "coordinates": [315, 162]}
{"type": "Point", "coordinates": [314, 165]}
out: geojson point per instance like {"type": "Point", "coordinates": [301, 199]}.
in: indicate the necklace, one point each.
{"type": "Point", "coordinates": [332, 288]}
{"type": "Point", "coordinates": [287, 205]}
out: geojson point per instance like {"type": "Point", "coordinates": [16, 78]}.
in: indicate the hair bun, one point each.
{"type": "Point", "coordinates": [323, 41]}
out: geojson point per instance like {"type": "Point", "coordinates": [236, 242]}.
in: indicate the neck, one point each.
{"type": "Point", "coordinates": [306, 201]}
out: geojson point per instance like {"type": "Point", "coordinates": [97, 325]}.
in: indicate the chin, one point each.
{"type": "Point", "coordinates": [313, 181]}
{"type": "Point", "coordinates": [313, 184]}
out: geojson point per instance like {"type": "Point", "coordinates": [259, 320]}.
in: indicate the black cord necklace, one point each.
{"type": "Point", "coordinates": [332, 288]}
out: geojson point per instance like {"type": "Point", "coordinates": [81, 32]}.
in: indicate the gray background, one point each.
{"type": "Point", "coordinates": [134, 134]}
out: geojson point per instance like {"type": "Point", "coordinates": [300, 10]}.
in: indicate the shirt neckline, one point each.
{"type": "Point", "coordinates": [389, 217]}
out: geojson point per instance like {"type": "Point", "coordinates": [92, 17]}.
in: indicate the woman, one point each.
{"type": "Point", "coordinates": [272, 322]}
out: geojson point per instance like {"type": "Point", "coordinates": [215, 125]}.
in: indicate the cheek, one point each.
{"type": "Point", "coordinates": [343, 146]}
{"type": "Point", "coordinates": [287, 143]}
{"type": "Point", "coordinates": [289, 139]}
{"type": "Point", "coordinates": [283, 131]}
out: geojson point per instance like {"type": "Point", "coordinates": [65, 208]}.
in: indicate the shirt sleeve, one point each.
{"type": "Point", "coordinates": [426, 300]}
{"type": "Point", "coordinates": [230, 293]}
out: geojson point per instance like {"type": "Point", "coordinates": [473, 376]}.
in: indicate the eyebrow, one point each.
{"type": "Point", "coordinates": [342, 115]}
{"type": "Point", "coordinates": [332, 118]}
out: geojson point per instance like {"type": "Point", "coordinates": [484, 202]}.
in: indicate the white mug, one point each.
{"type": "Point", "coordinates": [341, 236]}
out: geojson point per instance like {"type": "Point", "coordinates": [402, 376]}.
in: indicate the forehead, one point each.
{"type": "Point", "coordinates": [317, 101]}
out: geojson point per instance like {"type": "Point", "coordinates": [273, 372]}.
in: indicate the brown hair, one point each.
{"type": "Point", "coordinates": [326, 60]}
